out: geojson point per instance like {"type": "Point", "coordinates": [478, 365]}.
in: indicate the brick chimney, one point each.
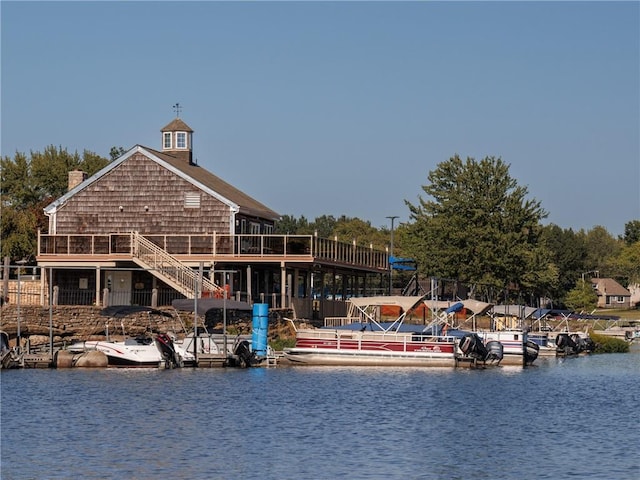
{"type": "Point", "coordinates": [76, 177]}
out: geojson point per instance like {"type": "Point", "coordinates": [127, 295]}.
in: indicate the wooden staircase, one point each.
{"type": "Point", "coordinates": [170, 270]}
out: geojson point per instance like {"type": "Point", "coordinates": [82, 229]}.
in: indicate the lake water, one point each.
{"type": "Point", "coordinates": [563, 418]}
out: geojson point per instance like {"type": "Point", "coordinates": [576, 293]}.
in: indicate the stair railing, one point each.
{"type": "Point", "coordinates": [164, 265]}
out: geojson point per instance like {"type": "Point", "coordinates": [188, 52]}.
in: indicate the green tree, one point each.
{"type": "Point", "coordinates": [601, 250]}
{"type": "Point", "coordinates": [349, 229]}
{"type": "Point", "coordinates": [478, 227]}
{"type": "Point", "coordinates": [541, 278]}
{"type": "Point", "coordinates": [18, 238]}
{"type": "Point", "coordinates": [346, 229]}
{"type": "Point", "coordinates": [16, 183]}
{"type": "Point", "coordinates": [27, 185]}
{"type": "Point", "coordinates": [627, 264]}
{"type": "Point", "coordinates": [568, 252]}
{"type": "Point", "coordinates": [116, 152]}
{"type": "Point", "coordinates": [324, 225]}
{"type": "Point", "coordinates": [582, 297]}
{"type": "Point", "coordinates": [289, 225]}
{"type": "Point", "coordinates": [50, 171]}
{"type": "Point", "coordinates": [632, 232]}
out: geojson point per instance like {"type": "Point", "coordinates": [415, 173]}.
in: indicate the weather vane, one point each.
{"type": "Point", "coordinates": [177, 108]}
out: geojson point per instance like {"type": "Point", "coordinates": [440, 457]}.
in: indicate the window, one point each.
{"type": "Point", "coordinates": [166, 140]}
{"type": "Point", "coordinates": [243, 226]}
{"type": "Point", "coordinates": [181, 140]}
{"type": "Point", "coordinates": [255, 228]}
{"type": "Point", "coordinates": [620, 299]}
{"type": "Point", "coordinates": [192, 200]}
{"type": "Point", "coordinates": [268, 229]}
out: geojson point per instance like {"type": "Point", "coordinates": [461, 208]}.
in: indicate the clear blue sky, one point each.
{"type": "Point", "coordinates": [330, 108]}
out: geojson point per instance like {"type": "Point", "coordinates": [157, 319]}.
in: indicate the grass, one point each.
{"type": "Point", "coordinates": [630, 314]}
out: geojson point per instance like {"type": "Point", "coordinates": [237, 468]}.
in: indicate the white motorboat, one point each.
{"type": "Point", "coordinates": [147, 350]}
{"type": "Point", "coordinates": [166, 349]}
{"type": "Point", "coordinates": [142, 351]}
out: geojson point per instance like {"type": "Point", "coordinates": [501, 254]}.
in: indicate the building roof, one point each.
{"type": "Point", "coordinates": [608, 286]}
{"type": "Point", "coordinates": [247, 204]}
{"type": "Point", "coordinates": [177, 125]}
{"type": "Point", "coordinates": [175, 161]}
{"type": "Point", "coordinates": [201, 178]}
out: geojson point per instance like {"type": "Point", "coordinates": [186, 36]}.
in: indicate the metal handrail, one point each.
{"type": "Point", "coordinates": [184, 278]}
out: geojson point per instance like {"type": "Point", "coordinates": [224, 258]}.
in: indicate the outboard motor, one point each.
{"type": "Point", "coordinates": [589, 345]}
{"type": "Point", "coordinates": [565, 344]}
{"type": "Point", "coordinates": [466, 344]}
{"type": "Point", "coordinates": [4, 342]}
{"type": "Point", "coordinates": [245, 355]}
{"type": "Point", "coordinates": [582, 344]}
{"type": "Point", "coordinates": [495, 352]}
{"type": "Point", "coordinates": [531, 351]}
{"type": "Point", "coordinates": [472, 346]}
{"type": "Point", "coordinates": [171, 357]}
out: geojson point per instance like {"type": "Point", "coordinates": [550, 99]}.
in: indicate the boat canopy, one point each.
{"type": "Point", "coordinates": [366, 307]}
{"type": "Point", "coordinates": [474, 306]}
{"type": "Point", "coordinates": [568, 314]}
{"type": "Point", "coordinates": [520, 311]}
{"type": "Point", "coordinates": [406, 303]}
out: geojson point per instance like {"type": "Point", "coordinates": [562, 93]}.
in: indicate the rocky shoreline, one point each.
{"type": "Point", "coordinates": [72, 323]}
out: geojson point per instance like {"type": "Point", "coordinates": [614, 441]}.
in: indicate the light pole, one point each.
{"type": "Point", "coordinates": [597, 272]}
{"type": "Point", "coordinates": [42, 272]}
{"type": "Point", "coordinates": [225, 277]}
{"type": "Point", "coordinates": [392, 218]}
{"type": "Point", "coordinates": [18, 337]}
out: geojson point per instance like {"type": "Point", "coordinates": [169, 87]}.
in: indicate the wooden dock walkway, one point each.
{"type": "Point", "coordinates": [218, 360]}
{"type": "Point", "coordinates": [211, 360]}
{"type": "Point", "coordinates": [37, 360]}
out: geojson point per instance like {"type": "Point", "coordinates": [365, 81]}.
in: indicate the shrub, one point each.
{"type": "Point", "coordinates": [607, 344]}
{"type": "Point", "coordinates": [280, 344]}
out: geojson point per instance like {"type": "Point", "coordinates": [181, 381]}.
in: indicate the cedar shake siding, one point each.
{"type": "Point", "coordinates": [152, 200]}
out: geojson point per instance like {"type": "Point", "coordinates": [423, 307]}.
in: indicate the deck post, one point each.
{"type": "Point", "coordinates": [283, 284]}
{"type": "Point", "coordinates": [98, 286]}
{"type": "Point", "coordinates": [249, 286]}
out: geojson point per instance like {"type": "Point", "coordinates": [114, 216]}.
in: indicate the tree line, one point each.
{"type": "Point", "coordinates": [475, 226]}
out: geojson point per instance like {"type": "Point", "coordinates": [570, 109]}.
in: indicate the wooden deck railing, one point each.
{"type": "Point", "coordinates": [218, 246]}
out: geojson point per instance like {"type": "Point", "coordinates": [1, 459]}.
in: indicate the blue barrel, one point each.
{"type": "Point", "coordinates": [255, 323]}
{"type": "Point", "coordinates": [260, 326]}
{"type": "Point", "coordinates": [264, 323]}
{"type": "Point", "coordinates": [260, 309]}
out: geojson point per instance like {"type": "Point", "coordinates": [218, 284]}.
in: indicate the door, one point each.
{"type": "Point", "coordinates": [119, 285]}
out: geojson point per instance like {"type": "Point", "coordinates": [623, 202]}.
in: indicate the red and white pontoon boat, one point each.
{"type": "Point", "coordinates": [362, 338]}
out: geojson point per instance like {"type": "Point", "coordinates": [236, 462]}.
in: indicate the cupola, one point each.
{"type": "Point", "coordinates": [177, 139]}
